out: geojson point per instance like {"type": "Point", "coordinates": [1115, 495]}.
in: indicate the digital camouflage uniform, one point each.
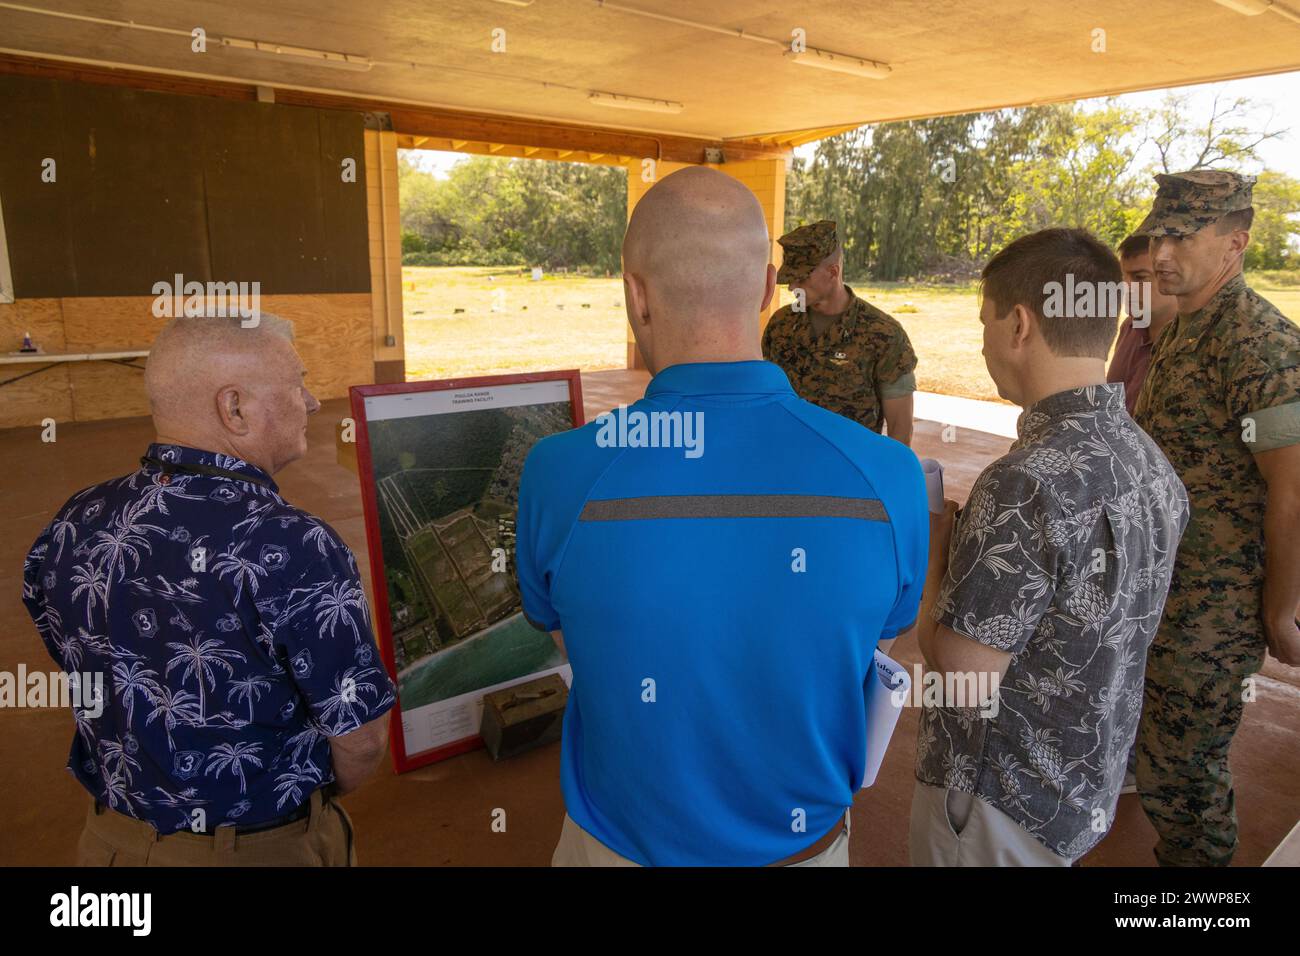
{"type": "Point", "coordinates": [861, 359]}
{"type": "Point", "coordinates": [1215, 375]}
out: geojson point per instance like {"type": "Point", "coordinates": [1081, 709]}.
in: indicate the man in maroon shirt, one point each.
{"type": "Point", "coordinates": [1153, 311]}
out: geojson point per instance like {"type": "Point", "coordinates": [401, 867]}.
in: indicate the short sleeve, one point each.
{"type": "Point", "coordinates": [911, 521]}
{"type": "Point", "coordinates": [895, 363]}
{"type": "Point", "coordinates": [1262, 384]}
{"type": "Point", "coordinates": [531, 564]}
{"type": "Point", "coordinates": [903, 386]}
{"type": "Point", "coordinates": [324, 640]}
{"type": "Point", "coordinates": [34, 595]}
{"type": "Point", "coordinates": [1002, 567]}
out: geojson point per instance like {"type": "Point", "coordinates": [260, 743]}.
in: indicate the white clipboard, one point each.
{"type": "Point", "coordinates": [887, 682]}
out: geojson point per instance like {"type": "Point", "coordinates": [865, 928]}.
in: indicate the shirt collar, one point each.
{"type": "Point", "coordinates": [845, 319]}
{"type": "Point", "coordinates": [720, 378]}
{"type": "Point", "coordinates": [1090, 400]}
{"type": "Point", "coordinates": [184, 455]}
{"type": "Point", "coordinates": [1141, 332]}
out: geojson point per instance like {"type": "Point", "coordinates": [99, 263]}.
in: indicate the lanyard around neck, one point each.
{"type": "Point", "coordinates": [171, 468]}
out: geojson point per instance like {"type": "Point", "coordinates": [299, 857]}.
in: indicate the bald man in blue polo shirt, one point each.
{"type": "Point", "coordinates": [720, 560]}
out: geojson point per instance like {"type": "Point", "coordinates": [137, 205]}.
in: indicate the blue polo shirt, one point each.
{"type": "Point", "coordinates": [722, 565]}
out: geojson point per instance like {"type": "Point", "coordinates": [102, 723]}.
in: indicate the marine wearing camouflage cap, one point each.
{"type": "Point", "coordinates": [839, 351]}
{"type": "Point", "coordinates": [1188, 202]}
{"type": "Point", "coordinates": [806, 248]}
{"type": "Point", "coordinates": [1222, 391]}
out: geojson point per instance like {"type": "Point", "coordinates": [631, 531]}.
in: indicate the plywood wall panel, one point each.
{"type": "Point", "coordinates": [46, 393]}
{"type": "Point", "coordinates": [110, 323]}
{"type": "Point", "coordinates": [332, 333]}
{"type": "Point", "coordinates": [107, 390]}
{"type": "Point", "coordinates": [30, 401]}
{"type": "Point", "coordinates": [43, 318]}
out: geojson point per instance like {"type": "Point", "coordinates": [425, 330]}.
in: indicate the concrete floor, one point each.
{"type": "Point", "coordinates": [442, 814]}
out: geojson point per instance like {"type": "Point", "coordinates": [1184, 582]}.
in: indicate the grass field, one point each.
{"type": "Point", "coordinates": [509, 323]}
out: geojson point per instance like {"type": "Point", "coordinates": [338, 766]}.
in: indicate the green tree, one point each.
{"type": "Point", "coordinates": [1083, 175]}
{"type": "Point", "coordinates": [496, 211]}
{"type": "Point", "coordinates": [923, 195]}
{"type": "Point", "coordinates": [1277, 223]}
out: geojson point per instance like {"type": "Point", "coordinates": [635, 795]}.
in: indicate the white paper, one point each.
{"type": "Point", "coordinates": [887, 682]}
{"type": "Point", "coordinates": [933, 484]}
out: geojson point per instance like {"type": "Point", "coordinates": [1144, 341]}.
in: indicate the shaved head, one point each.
{"type": "Point", "coordinates": [696, 272]}
{"type": "Point", "coordinates": [218, 386]}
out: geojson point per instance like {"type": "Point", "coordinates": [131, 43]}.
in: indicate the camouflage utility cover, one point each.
{"type": "Point", "coordinates": [805, 248]}
{"type": "Point", "coordinates": [1188, 202]}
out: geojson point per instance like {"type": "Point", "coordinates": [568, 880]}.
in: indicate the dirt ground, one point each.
{"type": "Point", "coordinates": [480, 320]}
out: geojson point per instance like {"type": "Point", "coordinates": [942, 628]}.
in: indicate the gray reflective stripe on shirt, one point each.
{"type": "Point", "coordinates": [733, 506]}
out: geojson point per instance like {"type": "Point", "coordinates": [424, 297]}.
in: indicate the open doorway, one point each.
{"type": "Point", "coordinates": [510, 264]}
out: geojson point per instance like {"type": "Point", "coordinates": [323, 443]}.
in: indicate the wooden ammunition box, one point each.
{"type": "Point", "coordinates": [524, 716]}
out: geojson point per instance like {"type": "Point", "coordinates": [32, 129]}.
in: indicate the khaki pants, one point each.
{"type": "Point", "coordinates": [952, 828]}
{"type": "Point", "coordinates": [577, 847]}
{"type": "Point", "coordinates": [324, 838]}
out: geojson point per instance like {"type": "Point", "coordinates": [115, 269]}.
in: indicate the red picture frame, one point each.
{"type": "Point", "coordinates": [402, 761]}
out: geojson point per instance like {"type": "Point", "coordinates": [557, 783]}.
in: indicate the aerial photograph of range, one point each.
{"type": "Point", "coordinates": [447, 486]}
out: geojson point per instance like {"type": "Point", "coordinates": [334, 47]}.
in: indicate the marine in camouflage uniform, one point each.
{"type": "Point", "coordinates": [1215, 375]}
{"type": "Point", "coordinates": [861, 358]}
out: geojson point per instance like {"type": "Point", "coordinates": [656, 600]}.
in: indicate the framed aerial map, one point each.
{"type": "Point", "coordinates": [440, 464]}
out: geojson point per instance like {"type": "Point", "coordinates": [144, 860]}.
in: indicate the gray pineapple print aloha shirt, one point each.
{"type": "Point", "coordinates": [1062, 557]}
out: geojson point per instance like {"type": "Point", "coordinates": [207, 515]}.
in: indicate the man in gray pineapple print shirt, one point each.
{"type": "Point", "coordinates": [1052, 584]}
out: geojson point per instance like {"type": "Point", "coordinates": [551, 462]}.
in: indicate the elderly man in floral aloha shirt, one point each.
{"type": "Point", "coordinates": [241, 685]}
{"type": "Point", "coordinates": [1057, 578]}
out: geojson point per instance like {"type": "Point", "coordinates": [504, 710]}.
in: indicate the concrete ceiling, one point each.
{"type": "Point", "coordinates": [946, 56]}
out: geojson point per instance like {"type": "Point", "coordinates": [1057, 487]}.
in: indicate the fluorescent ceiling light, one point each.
{"type": "Point", "coordinates": [841, 63]}
{"type": "Point", "coordinates": [1250, 8]}
{"type": "Point", "coordinates": [635, 103]}
{"type": "Point", "coordinates": [302, 54]}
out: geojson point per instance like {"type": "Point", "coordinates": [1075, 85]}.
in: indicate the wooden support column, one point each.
{"type": "Point", "coordinates": [385, 233]}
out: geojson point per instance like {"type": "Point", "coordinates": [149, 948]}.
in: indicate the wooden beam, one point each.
{"type": "Point", "coordinates": [460, 126]}
{"type": "Point", "coordinates": [137, 79]}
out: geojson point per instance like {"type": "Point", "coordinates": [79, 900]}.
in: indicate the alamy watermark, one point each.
{"type": "Point", "coordinates": [82, 691]}
{"type": "Point", "coordinates": [75, 908]}
{"type": "Point", "coordinates": [970, 690]}
{"type": "Point", "coordinates": [1097, 300]}
{"type": "Point", "coordinates": [621, 428]}
{"type": "Point", "coordinates": [197, 300]}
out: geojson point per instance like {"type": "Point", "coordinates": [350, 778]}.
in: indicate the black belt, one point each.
{"type": "Point", "coordinates": [301, 813]}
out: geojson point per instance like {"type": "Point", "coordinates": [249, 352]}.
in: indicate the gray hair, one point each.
{"type": "Point", "coordinates": [186, 340]}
